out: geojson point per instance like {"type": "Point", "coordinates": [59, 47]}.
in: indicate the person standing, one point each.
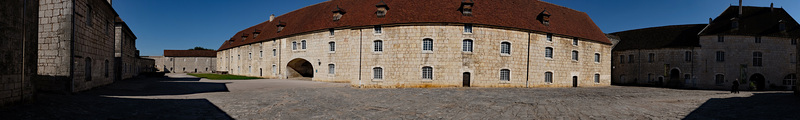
{"type": "Point", "coordinates": [735, 87]}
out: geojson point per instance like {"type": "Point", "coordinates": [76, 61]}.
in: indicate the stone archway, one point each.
{"type": "Point", "coordinates": [674, 78]}
{"type": "Point", "coordinates": [299, 68]}
{"type": "Point", "coordinates": [758, 80]}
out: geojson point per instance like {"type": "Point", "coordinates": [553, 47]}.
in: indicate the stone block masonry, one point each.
{"type": "Point", "coordinates": [18, 49]}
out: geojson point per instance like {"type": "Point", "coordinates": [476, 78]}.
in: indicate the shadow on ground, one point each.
{"type": "Point", "coordinates": [94, 104]}
{"type": "Point", "coordinates": [766, 106]}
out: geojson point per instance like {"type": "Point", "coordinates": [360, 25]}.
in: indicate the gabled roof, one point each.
{"type": "Point", "coordinates": [519, 14]}
{"type": "Point", "coordinates": [659, 37]}
{"type": "Point", "coordinates": [190, 53]}
{"type": "Point", "coordinates": [755, 21]}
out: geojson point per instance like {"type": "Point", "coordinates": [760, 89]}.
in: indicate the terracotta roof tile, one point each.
{"type": "Point", "coordinates": [519, 14]}
{"type": "Point", "coordinates": [659, 37]}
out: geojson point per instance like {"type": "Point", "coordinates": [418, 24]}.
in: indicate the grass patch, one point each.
{"type": "Point", "coordinates": [222, 77]}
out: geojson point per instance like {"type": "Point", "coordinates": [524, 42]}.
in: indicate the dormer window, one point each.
{"type": "Point", "coordinates": [734, 23]}
{"type": "Point", "coordinates": [338, 13]}
{"type": "Point", "coordinates": [382, 9]}
{"type": "Point", "coordinates": [280, 26]}
{"type": "Point", "coordinates": [244, 36]}
{"type": "Point", "coordinates": [255, 33]}
{"type": "Point", "coordinates": [544, 17]}
{"type": "Point", "coordinates": [782, 25]}
{"type": "Point", "coordinates": [466, 7]}
{"type": "Point", "coordinates": [468, 28]}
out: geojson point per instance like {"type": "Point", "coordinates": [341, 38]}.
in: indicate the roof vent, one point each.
{"type": "Point", "coordinates": [280, 26]}
{"type": "Point", "coordinates": [734, 23]}
{"type": "Point", "coordinates": [382, 9]}
{"type": "Point", "coordinates": [544, 17]}
{"type": "Point", "coordinates": [466, 7]}
{"type": "Point", "coordinates": [782, 25]}
{"type": "Point", "coordinates": [338, 13]}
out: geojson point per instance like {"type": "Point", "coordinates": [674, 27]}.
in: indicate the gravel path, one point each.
{"type": "Point", "coordinates": [186, 97]}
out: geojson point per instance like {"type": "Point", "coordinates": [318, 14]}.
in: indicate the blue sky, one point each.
{"type": "Point", "coordinates": [184, 24]}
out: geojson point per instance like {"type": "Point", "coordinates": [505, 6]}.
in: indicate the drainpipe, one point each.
{"type": "Point", "coordinates": [72, 51]}
{"type": "Point", "coordinates": [24, 42]}
{"type": "Point", "coordinates": [360, 42]}
{"type": "Point", "coordinates": [528, 63]}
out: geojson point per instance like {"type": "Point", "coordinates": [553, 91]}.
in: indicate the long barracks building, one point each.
{"type": "Point", "coordinates": [425, 43]}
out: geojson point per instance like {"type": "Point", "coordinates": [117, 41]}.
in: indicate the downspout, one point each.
{"type": "Point", "coordinates": [528, 63]}
{"type": "Point", "coordinates": [24, 42]}
{"type": "Point", "coordinates": [694, 84]}
{"type": "Point", "coordinates": [360, 42]}
{"type": "Point", "coordinates": [72, 51]}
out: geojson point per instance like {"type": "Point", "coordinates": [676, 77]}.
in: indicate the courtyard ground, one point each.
{"type": "Point", "coordinates": [180, 96]}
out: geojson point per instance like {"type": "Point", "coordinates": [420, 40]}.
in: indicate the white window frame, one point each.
{"type": "Point", "coordinates": [428, 47]}
{"type": "Point", "coordinates": [331, 69]}
{"type": "Point", "coordinates": [427, 75]}
{"type": "Point", "coordinates": [377, 46]}
{"type": "Point", "coordinates": [466, 45]}
{"type": "Point", "coordinates": [377, 73]}
{"type": "Point", "coordinates": [505, 48]}
{"type": "Point", "coordinates": [468, 28]}
{"type": "Point", "coordinates": [378, 29]}
{"type": "Point", "coordinates": [505, 75]}
{"type": "Point", "coordinates": [548, 52]}
{"type": "Point", "coordinates": [548, 77]}
{"type": "Point", "coordinates": [575, 55]}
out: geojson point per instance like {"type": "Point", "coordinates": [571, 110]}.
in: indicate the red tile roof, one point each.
{"type": "Point", "coordinates": [190, 53]}
{"type": "Point", "coordinates": [521, 14]}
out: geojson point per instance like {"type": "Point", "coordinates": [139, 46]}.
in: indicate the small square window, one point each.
{"type": "Point", "coordinates": [378, 29]}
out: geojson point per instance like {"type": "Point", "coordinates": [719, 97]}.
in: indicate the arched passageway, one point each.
{"type": "Point", "coordinates": [758, 80]}
{"type": "Point", "coordinates": [299, 68]}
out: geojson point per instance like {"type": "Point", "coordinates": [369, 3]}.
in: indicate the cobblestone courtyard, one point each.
{"type": "Point", "coordinates": [184, 97]}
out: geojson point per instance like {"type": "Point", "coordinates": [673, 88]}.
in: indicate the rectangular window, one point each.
{"type": "Point", "coordinates": [378, 29]}
{"type": "Point", "coordinates": [550, 37]}
{"type": "Point", "coordinates": [331, 32]}
{"type": "Point", "coordinates": [294, 45]}
{"type": "Point", "coordinates": [505, 75]}
{"type": "Point", "coordinates": [688, 56]}
{"type": "Point", "coordinates": [332, 45]}
{"type": "Point", "coordinates": [720, 56]}
{"type": "Point", "coordinates": [720, 38]}
{"type": "Point", "coordinates": [427, 73]}
{"type": "Point", "coordinates": [274, 69]}
{"type": "Point", "coordinates": [468, 28]}
{"type": "Point", "coordinates": [261, 54]}
{"type": "Point", "coordinates": [89, 15]}
{"type": "Point", "coordinates": [575, 41]}
{"type": "Point", "coordinates": [505, 48]}
{"type": "Point", "coordinates": [548, 52]}
{"type": "Point", "coordinates": [427, 44]}
{"type": "Point", "coordinates": [274, 52]}
{"type": "Point", "coordinates": [377, 73]}
{"type": "Point", "coordinates": [597, 57]}
{"type": "Point", "coordinates": [621, 59]}
{"type": "Point", "coordinates": [794, 41]}
{"type": "Point", "coordinates": [331, 69]}
{"type": "Point", "coordinates": [575, 55]}
{"type": "Point", "coordinates": [596, 78]}
{"type": "Point", "coordinates": [758, 39]}
{"type": "Point", "coordinates": [650, 57]}
{"type": "Point", "coordinates": [378, 46]}
{"type": "Point", "coordinates": [719, 80]}
{"type": "Point", "coordinates": [466, 46]}
{"type": "Point", "coordinates": [303, 44]}
{"type": "Point", "coordinates": [548, 77]}
{"type": "Point", "coordinates": [757, 59]}
{"type": "Point", "coordinates": [630, 59]}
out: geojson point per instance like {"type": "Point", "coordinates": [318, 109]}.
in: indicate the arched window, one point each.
{"type": "Point", "coordinates": [548, 77]}
{"type": "Point", "coordinates": [719, 79]}
{"type": "Point", "coordinates": [466, 45]}
{"type": "Point", "coordinates": [505, 74]}
{"type": "Point", "coordinates": [294, 45]}
{"type": "Point", "coordinates": [548, 52]}
{"type": "Point", "coordinates": [274, 69]}
{"type": "Point", "coordinates": [261, 53]}
{"type": "Point", "coordinates": [757, 58]}
{"type": "Point", "coordinates": [88, 69]}
{"type": "Point", "coordinates": [378, 46]}
{"type": "Point", "coordinates": [575, 55]}
{"type": "Point", "coordinates": [303, 44]}
{"type": "Point", "coordinates": [274, 52]}
{"type": "Point", "coordinates": [427, 44]}
{"type": "Point", "coordinates": [377, 73]}
{"type": "Point", "coordinates": [427, 72]}
{"type": "Point", "coordinates": [332, 45]}
{"type": "Point", "coordinates": [331, 69]}
{"type": "Point", "coordinates": [505, 48]}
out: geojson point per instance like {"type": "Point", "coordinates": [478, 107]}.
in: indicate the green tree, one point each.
{"type": "Point", "coordinates": [200, 48]}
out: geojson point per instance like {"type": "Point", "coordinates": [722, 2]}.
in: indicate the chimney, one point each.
{"type": "Point", "coordinates": [710, 20]}
{"type": "Point", "coordinates": [740, 8]}
{"type": "Point", "coordinates": [109, 1]}
{"type": "Point", "coordinates": [771, 7]}
{"type": "Point", "coordinates": [271, 17]}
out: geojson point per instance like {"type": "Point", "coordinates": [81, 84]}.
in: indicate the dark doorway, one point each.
{"type": "Point", "coordinates": [466, 79]}
{"type": "Point", "coordinates": [195, 70]}
{"type": "Point", "coordinates": [574, 81]}
{"type": "Point", "coordinates": [88, 69]}
{"type": "Point", "coordinates": [674, 78]}
{"type": "Point", "coordinates": [298, 68]}
{"type": "Point", "coordinates": [758, 80]}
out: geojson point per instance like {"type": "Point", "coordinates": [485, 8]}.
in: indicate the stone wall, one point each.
{"type": "Point", "coordinates": [402, 57]}
{"type": "Point", "coordinates": [779, 58]}
{"type": "Point", "coordinates": [125, 54]}
{"type": "Point", "coordinates": [73, 43]}
{"type": "Point", "coordinates": [185, 64]}
{"type": "Point", "coordinates": [18, 45]}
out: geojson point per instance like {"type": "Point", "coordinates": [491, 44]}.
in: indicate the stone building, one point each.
{"type": "Point", "coordinates": [125, 54]}
{"type": "Point", "coordinates": [755, 45]}
{"type": "Point", "coordinates": [76, 45]}
{"type": "Point", "coordinates": [18, 44]}
{"type": "Point", "coordinates": [423, 43]}
{"type": "Point", "coordinates": [186, 61]}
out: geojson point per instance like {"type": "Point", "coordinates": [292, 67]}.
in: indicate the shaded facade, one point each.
{"type": "Point", "coordinates": [186, 61]}
{"type": "Point", "coordinates": [755, 45]}
{"type": "Point", "coordinates": [18, 44]}
{"type": "Point", "coordinates": [443, 43]}
{"type": "Point", "coordinates": [126, 56]}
